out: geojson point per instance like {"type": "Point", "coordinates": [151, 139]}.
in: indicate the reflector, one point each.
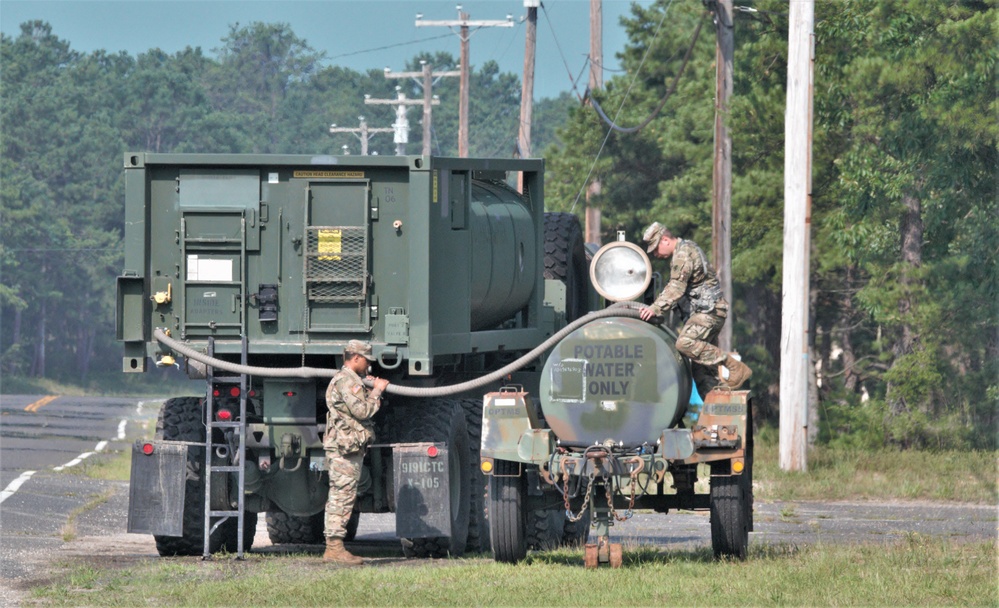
{"type": "Point", "coordinates": [432, 451]}
{"type": "Point", "coordinates": [620, 271]}
{"type": "Point", "coordinates": [234, 391]}
{"type": "Point", "coordinates": [147, 448]}
{"type": "Point", "coordinates": [224, 415]}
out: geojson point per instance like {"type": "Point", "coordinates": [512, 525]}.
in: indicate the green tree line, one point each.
{"type": "Point", "coordinates": [904, 242]}
{"type": "Point", "coordinates": [68, 117]}
{"type": "Point", "coordinates": [904, 245]}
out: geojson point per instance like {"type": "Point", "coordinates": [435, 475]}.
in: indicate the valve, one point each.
{"type": "Point", "coordinates": [162, 297]}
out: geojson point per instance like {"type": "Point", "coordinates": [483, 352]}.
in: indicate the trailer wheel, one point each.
{"type": "Point", "coordinates": [729, 525]}
{"type": "Point", "coordinates": [182, 419]}
{"type": "Point", "coordinates": [565, 260]}
{"type": "Point", "coordinates": [507, 525]}
{"type": "Point", "coordinates": [283, 528]}
{"type": "Point", "coordinates": [443, 420]}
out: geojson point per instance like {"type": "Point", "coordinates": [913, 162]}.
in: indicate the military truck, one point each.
{"type": "Point", "coordinates": [253, 271]}
{"type": "Point", "coordinates": [521, 407]}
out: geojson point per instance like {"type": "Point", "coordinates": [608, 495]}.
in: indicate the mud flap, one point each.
{"type": "Point", "coordinates": [422, 490]}
{"type": "Point", "coordinates": [156, 488]}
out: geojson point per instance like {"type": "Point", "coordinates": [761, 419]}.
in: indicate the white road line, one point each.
{"type": "Point", "coordinates": [121, 430]}
{"type": "Point", "coordinates": [74, 462]}
{"type": "Point", "coordinates": [100, 446]}
{"type": "Point", "coordinates": [14, 485]}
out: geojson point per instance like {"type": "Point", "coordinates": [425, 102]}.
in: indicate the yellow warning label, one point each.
{"type": "Point", "coordinates": [330, 174]}
{"type": "Point", "coordinates": [330, 242]}
{"type": "Point", "coordinates": [433, 195]}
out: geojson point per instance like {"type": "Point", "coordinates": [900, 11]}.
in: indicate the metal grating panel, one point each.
{"type": "Point", "coordinates": [336, 264]}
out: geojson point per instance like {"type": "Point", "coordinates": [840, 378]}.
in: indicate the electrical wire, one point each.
{"type": "Point", "coordinates": [627, 93]}
{"type": "Point", "coordinates": [390, 46]}
{"type": "Point", "coordinates": [662, 103]}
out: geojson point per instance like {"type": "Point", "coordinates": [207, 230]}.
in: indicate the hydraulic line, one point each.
{"type": "Point", "coordinates": [620, 309]}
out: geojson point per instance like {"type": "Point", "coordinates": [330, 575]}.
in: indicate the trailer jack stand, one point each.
{"type": "Point", "coordinates": [603, 552]}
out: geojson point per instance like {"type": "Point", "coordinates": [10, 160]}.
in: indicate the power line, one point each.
{"type": "Point", "coordinates": [390, 46]}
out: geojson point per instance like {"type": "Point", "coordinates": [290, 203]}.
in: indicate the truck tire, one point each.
{"type": "Point", "coordinates": [565, 260]}
{"type": "Point", "coordinates": [181, 419]}
{"type": "Point", "coordinates": [507, 524]}
{"type": "Point", "coordinates": [575, 533]}
{"type": "Point", "coordinates": [544, 529]}
{"type": "Point", "coordinates": [478, 521]}
{"type": "Point", "coordinates": [443, 421]}
{"type": "Point", "coordinates": [283, 528]}
{"type": "Point", "coordinates": [729, 526]}
{"type": "Point", "coordinates": [230, 532]}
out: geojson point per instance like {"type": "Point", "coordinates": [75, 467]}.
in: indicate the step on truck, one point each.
{"type": "Point", "coordinates": [252, 272]}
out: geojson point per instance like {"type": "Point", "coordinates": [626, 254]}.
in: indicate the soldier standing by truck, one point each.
{"type": "Point", "coordinates": [691, 275]}
{"type": "Point", "coordinates": [349, 430]}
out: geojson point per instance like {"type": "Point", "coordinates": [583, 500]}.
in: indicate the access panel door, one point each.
{"type": "Point", "coordinates": [337, 260]}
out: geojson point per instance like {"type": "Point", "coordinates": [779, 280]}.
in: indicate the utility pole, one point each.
{"type": "Point", "coordinates": [425, 79]}
{"type": "Point", "coordinates": [401, 124]}
{"type": "Point", "coordinates": [721, 208]}
{"type": "Point", "coordinates": [463, 24]}
{"type": "Point", "coordinates": [797, 226]}
{"type": "Point", "coordinates": [527, 92]}
{"type": "Point", "coordinates": [363, 133]}
{"type": "Point", "coordinates": [592, 216]}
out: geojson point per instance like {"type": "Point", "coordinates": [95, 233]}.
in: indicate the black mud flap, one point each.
{"type": "Point", "coordinates": [422, 490]}
{"type": "Point", "coordinates": [156, 488]}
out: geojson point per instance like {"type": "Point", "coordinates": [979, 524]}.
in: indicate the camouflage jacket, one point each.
{"type": "Point", "coordinates": [348, 426]}
{"type": "Point", "coordinates": [691, 275]}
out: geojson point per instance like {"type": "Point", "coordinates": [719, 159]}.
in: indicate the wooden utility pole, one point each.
{"type": "Point", "coordinates": [464, 34]}
{"type": "Point", "coordinates": [401, 124]}
{"type": "Point", "coordinates": [527, 90]}
{"type": "Point", "coordinates": [363, 133]}
{"type": "Point", "coordinates": [425, 79]}
{"type": "Point", "coordinates": [592, 214]}
{"type": "Point", "coordinates": [797, 226]}
{"type": "Point", "coordinates": [721, 208]}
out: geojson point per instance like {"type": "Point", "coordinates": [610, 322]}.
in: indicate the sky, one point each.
{"type": "Point", "coordinates": [356, 34]}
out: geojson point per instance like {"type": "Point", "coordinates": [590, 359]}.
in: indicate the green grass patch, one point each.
{"type": "Point", "coordinates": [837, 473]}
{"type": "Point", "coordinates": [914, 571]}
{"type": "Point", "coordinates": [115, 466]}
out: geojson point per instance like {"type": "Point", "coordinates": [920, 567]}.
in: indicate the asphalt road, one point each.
{"type": "Point", "coordinates": [57, 439]}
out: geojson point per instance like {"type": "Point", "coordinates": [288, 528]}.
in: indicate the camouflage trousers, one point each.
{"type": "Point", "coordinates": [345, 484]}
{"type": "Point", "coordinates": [695, 342]}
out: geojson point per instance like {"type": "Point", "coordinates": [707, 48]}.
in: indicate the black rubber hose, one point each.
{"type": "Point", "coordinates": [621, 309]}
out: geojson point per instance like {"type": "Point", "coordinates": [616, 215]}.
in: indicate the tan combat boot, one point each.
{"type": "Point", "coordinates": [336, 553]}
{"type": "Point", "coordinates": [738, 372]}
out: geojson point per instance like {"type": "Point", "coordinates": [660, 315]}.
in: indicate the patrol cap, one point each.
{"type": "Point", "coordinates": [359, 347]}
{"type": "Point", "coordinates": [652, 235]}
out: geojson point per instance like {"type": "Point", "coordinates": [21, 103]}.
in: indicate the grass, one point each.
{"type": "Point", "coordinates": [69, 528]}
{"type": "Point", "coordinates": [842, 474]}
{"type": "Point", "coordinates": [916, 570]}
{"type": "Point", "coordinates": [116, 466]}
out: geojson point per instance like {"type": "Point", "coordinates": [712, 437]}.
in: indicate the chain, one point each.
{"type": "Point", "coordinates": [633, 485]}
{"type": "Point", "coordinates": [565, 494]}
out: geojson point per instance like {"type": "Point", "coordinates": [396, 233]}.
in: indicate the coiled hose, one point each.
{"type": "Point", "coordinates": [620, 309]}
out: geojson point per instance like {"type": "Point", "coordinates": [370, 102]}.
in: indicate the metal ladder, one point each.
{"type": "Point", "coordinates": [239, 425]}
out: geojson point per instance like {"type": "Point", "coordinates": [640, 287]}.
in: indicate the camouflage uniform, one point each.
{"type": "Point", "coordinates": [349, 430]}
{"type": "Point", "coordinates": [691, 275]}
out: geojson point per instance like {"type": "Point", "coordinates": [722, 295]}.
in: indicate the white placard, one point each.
{"type": "Point", "coordinates": [213, 271]}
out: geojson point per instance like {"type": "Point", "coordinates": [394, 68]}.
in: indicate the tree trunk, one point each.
{"type": "Point", "coordinates": [38, 361]}
{"type": "Point", "coordinates": [846, 318]}
{"type": "Point", "coordinates": [911, 230]}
